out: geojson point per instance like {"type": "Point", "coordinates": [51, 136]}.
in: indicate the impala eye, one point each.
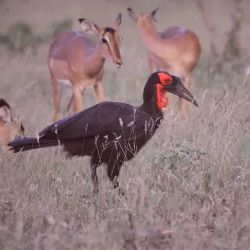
{"type": "Point", "coordinates": [104, 40]}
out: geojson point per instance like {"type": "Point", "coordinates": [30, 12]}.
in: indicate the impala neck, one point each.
{"type": "Point", "coordinates": [151, 39]}
{"type": "Point", "coordinates": [95, 61]}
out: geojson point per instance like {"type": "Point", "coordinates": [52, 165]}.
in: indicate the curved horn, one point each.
{"type": "Point", "coordinates": [131, 13]}
{"type": "Point", "coordinates": [153, 13]}
{"type": "Point", "coordinates": [118, 21]}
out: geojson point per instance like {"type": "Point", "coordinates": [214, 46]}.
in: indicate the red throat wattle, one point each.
{"type": "Point", "coordinates": [162, 101]}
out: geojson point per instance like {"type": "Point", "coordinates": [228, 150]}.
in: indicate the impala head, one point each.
{"type": "Point", "coordinates": [143, 18]}
{"type": "Point", "coordinates": [10, 128]}
{"type": "Point", "coordinates": [108, 38]}
{"type": "Point", "coordinates": [161, 82]}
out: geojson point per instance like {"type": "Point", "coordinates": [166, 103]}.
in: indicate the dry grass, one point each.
{"type": "Point", "coordinates": [188, 188]}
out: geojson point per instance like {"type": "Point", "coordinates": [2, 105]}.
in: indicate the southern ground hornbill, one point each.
{"type": "Point", "coordinates": [110, 132]}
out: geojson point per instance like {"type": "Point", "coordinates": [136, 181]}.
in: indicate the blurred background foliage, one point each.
{"type": "Point", "coordinates": [20, 36]}
{"type": "Point", "coordinates": [221, 25]}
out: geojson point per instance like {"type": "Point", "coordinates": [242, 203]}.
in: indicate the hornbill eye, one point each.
{"type": "Point", "coordinates": [104, 40]}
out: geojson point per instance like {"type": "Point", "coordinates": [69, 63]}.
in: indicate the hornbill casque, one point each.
{"type": "Point", "coordinates": [110, 132]}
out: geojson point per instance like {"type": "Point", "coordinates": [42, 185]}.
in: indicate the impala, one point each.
{"type": "Point", "coordinates": [10, 127]}
{"type": "Point", "coordinates": [175, 50]}
{"type": "Point", "coordinates": [75, 60]}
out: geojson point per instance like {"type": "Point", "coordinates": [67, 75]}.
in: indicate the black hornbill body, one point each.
{"type": "Point", "coordinates": [110, 132]}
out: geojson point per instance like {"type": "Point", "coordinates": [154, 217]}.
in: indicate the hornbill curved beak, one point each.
{"type": "Point", "coordinates": [177, 88]}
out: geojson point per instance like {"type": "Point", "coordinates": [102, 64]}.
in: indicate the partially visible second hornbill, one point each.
{"type": "Point", "coordinates": [110, 132]}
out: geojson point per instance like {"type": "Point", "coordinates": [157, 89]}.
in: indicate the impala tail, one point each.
{"type": "Point", "coordinates": [31, 143]}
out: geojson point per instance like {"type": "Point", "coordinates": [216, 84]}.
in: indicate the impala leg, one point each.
{"type": "Point", "coordinates": [70, 106]}
{"type": "Point", "coordinates": [56, 92]}
{"type": "Point", "coordinates": [99, 91]}
{"type": "Point", "coordinates": [94, 177]}
{"type": "Point", "coordinates": [183, 104]}
{"type": "Point", "coordinates": [78, 99]}
{"type": "Point", "coordinates": [151, 65]}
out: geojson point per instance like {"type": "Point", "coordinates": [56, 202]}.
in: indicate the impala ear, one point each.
{"type": "Point", "coordinates": [5, 113]}
{"type": "Point", "coordinates": [153, 13]}
{"type": "Point", "coordinates": [89, 26]}
{"type": "Point", "coordinates": [118, 21]}
{"type": "Point", "coordinates": [131, 14]}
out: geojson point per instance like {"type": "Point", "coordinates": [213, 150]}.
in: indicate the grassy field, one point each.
{"type": "Point", "coordinates": [188, 188]}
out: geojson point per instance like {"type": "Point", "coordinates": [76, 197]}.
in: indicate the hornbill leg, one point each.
{"type": "Point", "coordinates": [94, 177]}
{"type": "Point", "coordinates": [70, 106]}
{"type": "Point", "coordinates": [116, 185]}
{"type": "Point", "coordinates": [113, 171]}
{"type": "Point", "coordinates": [115, 182]}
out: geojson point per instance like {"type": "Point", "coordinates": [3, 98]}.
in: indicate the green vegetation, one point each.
{"type": "Point", "coordinates": [20, 36]}
{"type": "Point", "coordinates": [57, 27]}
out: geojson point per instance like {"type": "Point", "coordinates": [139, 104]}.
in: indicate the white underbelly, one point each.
{"type": "Point", "coordinates": [64, 82]}
{"type": "Point", "coordinates": [67, 83]}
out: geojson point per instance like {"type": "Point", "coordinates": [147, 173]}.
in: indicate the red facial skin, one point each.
{"type": "Point", "coordinates": [162, 101]}
{"type": "Point", "coordinates": [165, 79]}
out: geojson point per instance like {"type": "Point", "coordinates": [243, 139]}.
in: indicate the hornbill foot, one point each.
{"type": "Point", "coordinates": [85, 196]}
{"type": "Point", "coordinates": [95, 191]}
{"type": "Point", "coordinates": [116, 185]}
{"type": "Point", "coordinates": [121, 192]}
